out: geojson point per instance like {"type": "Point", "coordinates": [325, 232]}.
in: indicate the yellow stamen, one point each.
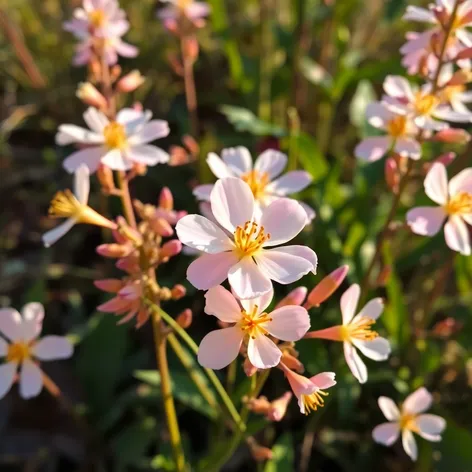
{"type": "Point", "coordinates": [97, 18]}
{"type": "Point", "coordinates": [115, 135]}
{"type": "Point", "coordinates": [451, 91]}
{"type": "Point", "coordinates": [184, 4]}
{"type": "Point", "coordinates": [249, 239]}
{"type": "Point", "coordinates": [359, 329]}
{"type": "Point", "coordinates": [425, 103]}
{"type": "Point", "coordinates": [253, 324]}
{"type": "Point", "coordinates": [18, 352]}
{"type": "Point", "coordinates": [257, 181]}
{"type": "Point", "coordinates": [397, 126]}
{"type": "Point", "coordinates": [408, 421]}
{"type": "Point", "coordinates": [314, 401]}
{"type": "Point", "coordinates": [460, 204]}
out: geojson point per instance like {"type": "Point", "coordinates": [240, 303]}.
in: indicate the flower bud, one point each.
{"type": "Point", "coordinates": [248, 368]}
{"type": "Point", "coordinates": [139, 168]}
{"type": "Point", "coordinates": [115, 72]}
{"type": "Point", "coordinates": [171, 248]}
{"type": "Point", "coordinates": [289, 358]}
{"type": "Point", "coordinates": [105, 177]}
{"type": "Point", "coordinates": [162, 227]}
{"type": "Point", "coordinates": [326, 287]}
{"type": "Point", "coordinates": [258, 452]}
{"type": "Point", "coordinates": [184, 320]}
{"type": "Point", "coordinates": [191, 48]}
{"type": "Point", "coordinates": [384, 276]}
{"type": "Point", "coordinates": [109, 285]}
{"type": "Point", "coordinates": [259, 405]}
{"type": "Point", "coordinates": [113, 250]}
{"type": "Point", "coordinates": [130, 82]}
{"type": "Point", "coordinates": [166, 199]}
{"type": "Point", "coordinates": [444, 159]}
{"type": "Point", "coordinates": [295, 297]}
{"type": "Point", "coordinates": [191, 144]}
{"type": "Point", "coordinates": [453, 136]}
{"type": "Point", "coordinates": [178, 292]}
{"type": "Point", "coordinates": [278, 407]}
{"type": "Point", "coordinates": [90, 95]}
{"type": "Point", "coordinates": [464, 54]}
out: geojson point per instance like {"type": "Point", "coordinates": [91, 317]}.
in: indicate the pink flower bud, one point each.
{"type": "Point", "coordinates": [185, 318]}
{"type": "Point", "coordinates": [278, 407]}
{"type": "Point", "coordinates": [326, 287]}
{"type": "Point", "coordinates": [445, 159]}
{"type": "Point", "coordinates": [289, 359]}
{"type": "Point", "coordinates": [259, 405]}
{"type": "Point", "coordinates": [464, 54]}
{"type": "Point", "coordinates": [295, 297]}
{"type": "Point", "coordinates": [109, 285]}
{"type": "Point", "coordinates": [248, 368]}
{"type": "Point", "coordinates": [191, 48]}
{"type": "Point", "coordinates": [166, 199]}
{"type": "Point", "coordinates": [90, 95]}
{"type": "Point", "coordinates": [258, 452]}
{"type": "Point", "coordinates": [162, 227]}
{"type": "Point", "coordinates": [130, 82]}
{"type": "Point", "coordinates": [113, 250]}
{"type": "Point", "coordinates": [171, 248]}
{"type": "Point", "coordinates": [453, 136]}
{"type": "Point", "coordinates": [178, 292]}
{"type": "Point", "coordinates": [392, 175]}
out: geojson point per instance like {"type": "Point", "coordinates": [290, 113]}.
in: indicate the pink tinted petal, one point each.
{"type": "Point", "coordinates": [222, 304]}
{"type": "Point", "coordinates": [355, 363]}
{"type": "Point", "coordinates": [31, 380]}
{"type": "Point", "coordinates": [389, 408]}
{"type": "Point", "coordinates": [3, 348]}
{"type": "Point", "coordinates": [409, 444]}
{"type": "Point", "coordinates": [68, 134]}
{"type": "Point", "coordinates": [248, 280]}
{"type": "Point", "coordinates": [378, 114]}
{"type": "Point", "coordinates": [430, 426]}
{"type": "Point", "coordinates": [53, 347]}
{"type": "Point", "coordinates": [373, 309]}
{"type": "Point", "coordinates": [218, 167]}
{"type": "Point", "coordinates": [324, 380]}
{"type": "Point", "coordinates": [82, 184]}
{"type": "Point", "coordinates": [198, 10]}
{"type": "Point", "coordinates": [299, 251]}
{"type": "Point", "coordinates": [422, 15]}
{"type": "Point", "coordinates": [373, 149]}
{"type": "Point", "coordinates": [271, 162]}
{"type": "Point", "coordinates": [238, 159]}
{"type": "Point", "coordinates": [289, 183]}
{"type": "Point", "coordinates": [386, 433]}
{"type": "Point", "coordinates": [203, 192]}
{"type": "Point", "coordinates": [90, 157]}
{"type": "Point", "coordinates": [132, 119]}
{"type": "Point", "coordinates": [462, 182]}
{"type": "Point", "coordinates": [378, 349]}
{"type": "Point", "coordinates": [300, 384]}
{"type": "Point", "coordinates": [408, 147]}
{"type": "Point", "coordinates": [125, 49]}
{"type": "Point", "coordinates": [220, 347]}
{"type": "Point", "coordinates": [457, 235]}
{"type": "Point", "coordinates": [289, 323]}
{"type": "Point", "coordinates": [155, 129]}
{"type": "Point", "coordinates": [147, 155]}
{"type": "Point", "coordinates": [210, 270]}
{"type": "Point", "coordinates": [262, 302]}
{"type": "Point", "coordinates": [115, 159]}
{"type": "Point", "coordinates": [435, 184]}
{"type": "Point", "coordinates": [7, 377]}
{"type": "Point", "coordinates": [310, 213]}
{"type": "Point", "coordinates": [397, 87]}
{"type": "Point", "coordinates": [53, 235]}
{"type": "Point", "coordinates": [420, 400]}
{"type": "Point", "coordinates": [96, 121]}
{"type": "Point", "coordinates": [11, 324]}
{"type": "Point", "coordinates": [33, 314]}
{"type": "Point", "coordinates": [232, 203]}
{"type": "Point", "coordinates": [349, 301]}
{"type": "Point", "coordinates": [426, 221]}
{"type": "Point", "coordinates": [263, 353]}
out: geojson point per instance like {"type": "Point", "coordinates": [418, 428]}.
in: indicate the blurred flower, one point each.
{"type": "Point", "coordinates": [278, 407]}
{"type": "Point", "coordinates": [252, 325]}
{"type": "Point", "coordinates": [89, 94]}
{"type": "Point", "coordinates": [407, 421]}
{"type": "Point", "coordinates": [117, 144]}
{"type": "Point", "coordinates": [243, 257]}
{"type": "Point", "coordinates": [176, 9]}
{"type": "Point", "coordinates": [455, 200]}
{"type": "Point", "coordinates": [452, 135]}
{"type": "Point", "coordinates": [258, 452]}
{"type": "Point", "coordinates": [326, 287]}
{"type": "Point", "coordinates": [73, 206]}
{"type": "Point", "coordinates": [456, 95]}
{"type": "Point", "coordinates": [260, 176]}
{"type": "Point", "coordinates": [356, 332]}
{"type": "Point", "coordinates": [111, 48]}
{"type": "Point", "coordinates": [294, 297]}
{"type": "Point", "coordinates": [130, 82]}
{"type": "Point", "coordinates": [22, 349]}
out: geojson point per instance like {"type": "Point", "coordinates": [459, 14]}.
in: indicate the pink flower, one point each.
{"type": "Point", "coordinates": [262, 176]}
{"type": "Point", "coordinates": [400, 135]}
{"type": "Point", "coordinates": [455, 205]}
{"type": "Point", "coordinates": [309, 391]}
{"type": "Point", "coordinates": [193, 11]}
{"type": "Point", "coordinates": [116, 144]}
{"type": "Point", "coordinates": [456, 96]}
{"type": "Point", "coordinates": [407, 421]}
{"type": "Point", "coordinates": [252, 325]}
{"type": "Point", "coordinates": [356, 332]}
{"type": "Point", "coordinates": [21, 348]}
{"type": "Point", "coordinates": [238, 247]}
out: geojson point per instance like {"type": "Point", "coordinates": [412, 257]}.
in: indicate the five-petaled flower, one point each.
{"type": "Point", "coordinates": [21, 348]}
{"type": "Point", "coordinates": [239, 247]}
{"type": "Point", "coordinates": [253, 325]}
{"type": "Point", "coordinates": [409, 420]}
{"type": "Point", "coordinates": [455, 205]}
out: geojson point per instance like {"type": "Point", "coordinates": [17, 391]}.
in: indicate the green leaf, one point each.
{"type": "Point", "coordinates": [363, 95]}
{"type": "Point", "coordinates": [283, 459]}
{"type": "Point", "coordinates": [315, 73]}
{"type": "Point", "coordinates": [310, 156]}
{"type": "Point", "coordinates": [456, 449]}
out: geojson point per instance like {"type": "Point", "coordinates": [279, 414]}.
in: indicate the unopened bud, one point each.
{"type": "Point", "coordinates": [90, 95]}
{"type": "Point", "coordinates": [278, 407]}
{"type": "Point", "coordinates": [178, 156]}
{"type": "Point", "coordinates": [460, 77]}
{"type": "Point", "coordinates": [384, 276]}
{"type": "Point", "coordinates": [105, 177]}
{"type": "Point", "coordinates": [178, 292]}
{"type": "Point", "coordinates": [258, 452]}
{"type": "Point", "coordinates": [326, 287]}
{"type": "Point", "coordinates": [109, 285]}
{"type": "Point", "coordinates": [113, 250]}
{"type": "Point", "coordinates": [171, 248]}
{"type": "Point", "coordinates": [289, 358]}
{"type": "Point", "coordinates": [128, 264]}
{"type": "Point", "coordinates": [248, 368]}
{"type": "Point", "coordinates": [191, 48]}
{"type": "Point", "coordinates": [447, 327]}
{"type": "Point", "coordinates": [464, 54]}
{"type": "Point", "coordinates": [184, 320]}
{"type": "Point", "coordinates": [162, 227]}
{"type": "Point", "coordinates": [130, 82]}
{"type": "Point", "coordinates": [259, 405]}
{"type": "Point", "coordinates": [444, 159]}
{"type": "Point", "coordinates": [115, 72]}
{"type": "Point", "coordinates": [295, 297]}
{"type": "Point", "coordinates": [453, 136]}
{"type": "Point", "coordinates": [139, 168]}
{"type": "Point", "coordinates": [166, 199]}
{"type": "Point", "coordinates": [392, 175]}
{"type": "Point", "coordinates": [191, 144]}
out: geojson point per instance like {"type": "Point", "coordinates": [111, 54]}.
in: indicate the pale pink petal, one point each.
{"type": "Point", "coordinates": [238, 159]}
{"type": "Point", "coordinates": [377, 115]}
{"type": "Point", "coordinates": [218, 167]}
{"type": "Point", "coordinates": [373, 309]}
{"type": "Point", "coordinates": [11, 324]}
{"type": "Point", "coordinates": [132, 119]}
{"type": "Point", "coordinates": [31, 380]}
{"type": "Point", "coordinates": [115, 159]}
{"type": "Point", "coordinates": [68, 134]}
{"type": "Point", "coordinates": [155, 129]}
{"type": "Point", "coordinates": [289, 323]}
{"type": "Point", "coordinates": [82, 184]}
{"type": "Point", "coordinates": [52, 347]}
{"type": "Point", "coordinates": [271, 162]}
{"type": "Point", "coordinates": [263, 353]}
{"type": "Point", "coordinates": [53, 235]}
{"type": "Point", "coordinates": [457, 235]}
{"type": "Point", "coordinates": [409, 444]}
{"type": "Point", "coordinates": [125, 49]}
{"type": "Point", "coordinates": [435, 184]}
{"type": "Point", "coordinates": [291, 182]}
{"type": "Point", "coordinates": [378, 349]}
{"type": "Point", "coordinates": [389, 408]}
{"type": "Point", "coordinates": [349, 301]}
{"type": "Point", "coordinates": [386, 433]}
{"type": "Point", "coordinates": [203, 192]}
{"type": "Point", "coordinates": [324, 380]}
{"type": "Point", "coordinates": [220, 347]}
{"type": "Point", "coordinates": [300, 384]}
{"type": "Point", "coordinates": [417, 402]}
{"type": "Point", "coordinates": [96, 120]}
{"type": "Point", "coordinates": [398, 87]}
{"type": "Point", "coordinates": [310, 213]}
{"type": "Point", "coordinates": [408, 147]}
{"type": "Point", "coordinates": [430, 426]}
{"type": "Point", "coordinates": [373, 149]}
{"type": "Point", "coordinates": [355, 363]}
{"type": "Point", "coordinates": [197, 10]}
{"type": "Point", "coordinates": [147, 155]}
{"type": "Point", "coordinates": [462, 182]}
{"type": "Point", "coordinates": [3, 348]}
{"type": "Point", "coordinates": [232, 203]}
{"type": "Point", "coordinates": [426, 221]}
{"type": "Point", "coordinates": [89, 156]}
{"type": "Point", "coordinates": [33, 314]}
{"type": "Point", "coordinates": [222, 304]}
{"type": "Point", "coordinates": [202, 234]}
{"type": "Point", "coordinates": [7, 377]}
{"type": "Point", "coordinates": [262, 302]}
{"type": "Point", "coordinates": [210, 270]}
{"type": "Point", "coordinates": [448, 114]}
{"type": "Point", "coordinates": [248, 280]}
{"type": "Point", "coordinates": [419, 14]}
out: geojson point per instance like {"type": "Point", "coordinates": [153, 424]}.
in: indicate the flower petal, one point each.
{"type": "Point", "coordinates": [271, 162]}
{"type": "Point", "coordinates": [33, 315]}
{"type": "Point", "coordinates": [262, 302]}
{"type": "Point", "coordinates": [68, 134]}
{"type": "Point", "coordinates": [200, 233]}
{"type": "Point", "coordinates": [238, 159]}
{"type": "Point", "coordinates": [289, 323]}
{"type": "Point", "coordinates": [389, 408]}
{"type": "Point", "coordinates": [232, 203]}
{"type": "Point", "coordinates": [324, 380]}
{"type": "Point", "coordinates": [218, 167]}
{"type": "Point", "coordinates": [248, 280]}
{"type": "Point", "coordinates": [409, 444]}
{"type": "Point", "coordinates": [220, 347]}
{"type": "Point", "coordinates": [203, 192]}
{"type": "Point", "coordinates": [115, 159]}
{"type": "Point", "coordinates": [210, 270]}
{"type": "Point", "coordinates": [430, 426]}
{"type": "Point", "coordinates": [373, 149]}
{"type": "Point", "coordinates": [349, 301]}
{"type": "Point", "coordinates": [386, 433]}
{"type": "Point", "coordinates": [457, 235]}
{"type": "Point", "coordinates": [417, 402]}
{"type": "Point", "coordinates": [7, 377]}
{"type": "Point", "coordinates": [355, 363]}
{"type": "Point", "coordinates": [11, 324]}
{"type": "Point", "coordinates": [3, 348]}
{"type": "Point", "coordinates": [397, 87]}
{"type": "Point", "coordinates": [149, 132]}
{"type": "Point", "coordinates": [96, 120]}
{"type": "Point", "coordinates": [435, 184]}
{"type": "Point", "coordinates": [263, 353]}
{"type": "Point", "coordinates": [462, 182]}
{"type": "Point", "coordinates": [147, 154]}
{"type": "Point", "coordinates": [31, 380]}
{"type": "Point", "coordinates": [372, 309]}
{"type": "Point", "coordinates": [222, 304]}
{"type": "Point", "coordinates": [132, 119]}
{"type": "Point", "coordinates": [408, 147]}
{"type": "Point", "coordinates": [378, 349]}
{"type": "Point", "coordinates": [90, 157]}
{"type": "Point", "coordinates": [53, 347]}
{"type": "Point", "coordinates": [289, 183]}
{"type": "Point", "coordinates": [82, 184]}
{"type": "Point", "coordinates": [50, 237]}
{"type": "Point", "coordinates": [426, 221]}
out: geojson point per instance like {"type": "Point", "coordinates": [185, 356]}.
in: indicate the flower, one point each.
{"type": "Point", "coordinates": [251, 325]}
{"type": "Point", "coordinates": [309, 391]}
{"type": "Point", "coordinates": [21, 349]}
{"type": "Point", "coordinates": [356, 332]}
{"type": "Point", "coordinates": [326, 287]}
{"type": "Point", "coordinates": [261, 177]}
{"type": "Point", "coordinates": [408, 420]}
{"type": "Point", "coordinates": [278, 407]}
{"type": "Point", "coordinates": [118, 143]}
{"type": "Point", "coordinates": [193, 11]}
{"type": "Point", "coordinates": [73, 206]}
{"type": "Point", "coordinates": [400, 137]}
{"type": "Point", "coordinates": [244, 256]}
{"type": "Point", "coordinates": [455, 205]}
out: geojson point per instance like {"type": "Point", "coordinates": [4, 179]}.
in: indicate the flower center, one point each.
{"type": "Point", "coordinates": [257, 182]}
{"type": "Point", "coordinates": [407, 421]}
{"type": "Point", "coordinates": [314, 401]}
{"type": "Point", "coordinates": [18, 352]}
{"type": "Point", "coordinates": [425, 103]}
{"type": "Point", "coordinates": [97, 18]}
{"type": "Point", "coordinates": [115, 135]}
{"type": "Point", "coordinates": [451, 91]}
{"type": "Point", "coordinates": [359, 329]}
{"type": "Point", "coordinates": [249, 238]}
{"type": "Point", "coordinates": [65, 205]}
{"type": "Point", "coordinates": [459, 204]}
{"type": "Point", "coordinates": [396, 127]}
{"type": "Point", "coordinates": [252, 324]}
{"type": "Point", "coordinates": [184, 4]}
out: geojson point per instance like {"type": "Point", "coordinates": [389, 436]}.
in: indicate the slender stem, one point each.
{"type": "Point", "coordinates": [166, 390]}
{"type": "Point", "coordinates": [231, 376]}
{"type": "Point", "coordinates": [126, 199]}
{"type": "Point", "coordinates": [189, 82]}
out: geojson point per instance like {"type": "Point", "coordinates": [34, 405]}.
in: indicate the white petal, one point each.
{"type": "Point", "coordinates": [310, 213]}
{"type": "Point", "coordinates": [115, 159]}
{"type": "Point", "coordinates": [218, 167]}
{"type": "Point", "coordinates": [408, 147]}
{"type": "Point", "coordinates": [373, 149]}
{"type": "Point", "coordinates": [373, 309]}
{"type": "Point", "coordinates": [457, 235]}
{"type": "Point", "coordinates": [155, 129]}
{"type": "Point", "coordinates": [3, 348]}
{"type": "Point", "coordinates": [409, 444]}
{"type": "Point", "coordinates": [289, 323]}
{"type": "Point", "coordinates": [263, 353]}
{"type": "Point", "coordinates": [262, 302]}
{"type": "Point", "coordinates": [90, 157]}
{"type": "Point", "coordinates": [426, 221]}
{"type": "Point", "coordinates": [272, 162]}
{"type": "Point", "coordinates": [68, 134]}
{"type": "Point", "coordinates": [355, 363]}
{"type": "Point", "coordinates": [299, 251]}
{"type": "Point", "coordinates": [50, 237]}
{"type": "Point", "coordinates": [435, 184]}
{"type": "Point", "coordinates": [33, 315]}
{"type": "Point", "coordinates": [203, 192]}
{"type": "Point", "coordinates": [398, 87]}
{"type": "Point", "coordinates": [378, 349]}
{"type": "Point", "coordinates": [419, 14]}
{"type": "Point", "coordinates": [430, 426]}
{"type": "Point", "coordinates": [147, 155]}
{"type": "Point", "coordinates": [222, 304]}
{"type": "Point", "coordinates": [283, 220]}
{"type": "Point", "coordinates": [238, 159]}
{"type": "Point", "coordinates": [82, 184]}
{"type": "Point", "coordinates": [7, 377]}
{"type": "Point", "coordinates": [247, 280]}
{"type": "Point", "coordinates": [378, 114]}
{"type": "Point", "coordinates": [462, 182]}
{"type": "Point", "coordinates": [210, 270]}
{"type": "Point", "coordinates": [386, 433]}
{"type": "Point", "coordinates": [11, 324]}
{"type": "Point", "coordinates": [389, 408]}
{"type": "Point", "coordinates": [31, 380]}
{"type": "Point", "coordinates": [202, 234]}
{"type": "Point", "coordinates": [53, 347]}
{"type": "Point", "coordinates": [349, 301]}
{"type": "Point", "coordinates": [289, 183]}
{"type": "Point", "coordinates": [96, 120]}
{"type": "Point", "coordinates": [420, 400]}
{"type": "Point", "coordinates": [220, 347]}
{"type": "Point", "coordinates": [135, 118]}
